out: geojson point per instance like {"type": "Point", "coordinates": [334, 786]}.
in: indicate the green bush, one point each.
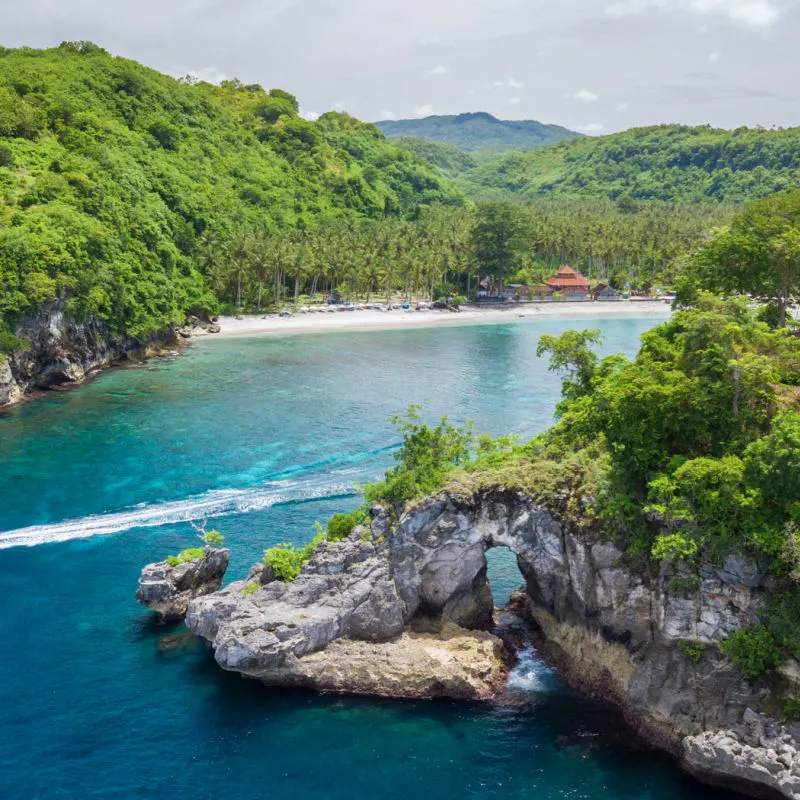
{"type": "Point", "coordinates": [674, 547]}
{"type": "Point", "coordinates": [782, 616]}
{"type": "Point", "coordinates": [9, 343]}
{"type": "Point", "coordinates": [341, 525]}
{"type": "Point", "coordinates": [251, 587]}
{"type": "Point", "coordinates": [694, 651]}
{"type": "Point", "coordinates": [752, 650]}
{"type": "Point", "coordinates": [426, 458]}
{"type": "Point", "coordinates": [286, 560]}
{"type": "Point", "coordinates": [214, 539]}
{"type": "Point", "coordinates": [791, 711]}
{"type": "Point", "coordinates": [190, 554]}
{"type": "Point", "coordinates": [685, 583]}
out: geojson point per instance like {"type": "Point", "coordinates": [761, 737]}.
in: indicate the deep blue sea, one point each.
{"type": "Point", "coordinates": [264, 436]}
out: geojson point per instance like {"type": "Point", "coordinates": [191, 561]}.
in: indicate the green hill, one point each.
{"type": "Point", "coordinates": [479, 132]}
{"type": "Point", "coordinates": [113, 176]}
{"type": "Point", "coordinates": [668, 162]}
{"type": "Point", "coordinates": [452, 161]}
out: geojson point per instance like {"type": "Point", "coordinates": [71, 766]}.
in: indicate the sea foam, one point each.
{"type": "Point", "coordinates": [214, 503]}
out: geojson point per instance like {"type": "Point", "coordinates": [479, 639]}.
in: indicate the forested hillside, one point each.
{"type": "Point", "coordinates": [451, 160]}
{"type": "Point", "coordinates": [675, 163]}
{"type": "Point", "coordinates": [113, 177]}
{"type": "Point", "coordinates": [479, 132]}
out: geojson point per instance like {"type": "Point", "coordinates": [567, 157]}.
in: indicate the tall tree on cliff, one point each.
{"type": "Point", "coordinates": [758, 254]}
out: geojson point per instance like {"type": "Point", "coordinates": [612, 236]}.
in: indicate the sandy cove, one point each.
{"type": "Point", "coordinates": [370, 319]}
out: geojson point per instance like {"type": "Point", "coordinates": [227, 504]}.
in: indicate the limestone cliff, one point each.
{"type": "Point", "coordinates": [61, 351]}
{"type": "Point", "coordinates": [618, 630]}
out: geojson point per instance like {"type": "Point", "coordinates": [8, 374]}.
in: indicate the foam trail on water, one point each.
{"type": "Point", "coordinates": [215, 503]}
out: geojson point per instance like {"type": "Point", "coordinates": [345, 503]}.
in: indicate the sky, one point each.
{"type": "Point", "coordinates": [596, 66]}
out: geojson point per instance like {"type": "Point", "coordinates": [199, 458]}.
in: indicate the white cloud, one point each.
{"type": "Point", "coordinates": [621, 106]}
{"type": "Point", "coordinates": [424, 110]}
{"type": "Point", "coordinates": [712, 57]}
{"type": "Point", "coordinates": [511, 83]}
{"type": "Point", "coordinates": [441, 69]}
{"type": "Point", "coordinates": [514, 101]}
{"type": "Point", "coordinates": [758, 13]}
{"type": "Point", "coordinates": [592, 127]}
{"type": "Point", "coordinates": [311, 116]}
{"type": "Point", "coordinates": [585, 96]}
{"type": "Point", "coordinates": [340, 107]}
{"type": "Point", "coordinates": [388, 115]}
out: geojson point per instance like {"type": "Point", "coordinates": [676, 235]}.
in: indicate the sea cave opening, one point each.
{"type": "Point", "coordinates": [503, 573]}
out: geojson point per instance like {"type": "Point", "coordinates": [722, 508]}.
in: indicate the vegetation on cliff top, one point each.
{"type": "Point", "coordinates": [210, 539]}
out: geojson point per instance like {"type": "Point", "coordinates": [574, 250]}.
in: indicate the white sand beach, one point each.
{"type": "Point", "coordinates": [371, 319]}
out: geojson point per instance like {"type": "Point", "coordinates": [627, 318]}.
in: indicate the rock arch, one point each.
{"type": "Point", "coordinates": [618, 631]}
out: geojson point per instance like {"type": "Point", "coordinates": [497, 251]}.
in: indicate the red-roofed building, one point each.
{"type": "Point", "coordinates": [569, 282]}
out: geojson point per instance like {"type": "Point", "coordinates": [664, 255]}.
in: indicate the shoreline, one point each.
{"type": "Point", "coordinates": [371, 319]}
{"type": "Point", "coordinates": [359, 320]}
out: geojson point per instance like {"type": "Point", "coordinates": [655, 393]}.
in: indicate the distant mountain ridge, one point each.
{"type": "Point", "coordinates": [673, 163]}
{"type": "Point", "coordinates": [479, 132]}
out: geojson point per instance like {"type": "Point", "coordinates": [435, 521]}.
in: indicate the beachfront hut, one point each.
{"type": "Point", "coordinates": [604, 292]}
{"type": "Point", "coordinates": [569, 283]}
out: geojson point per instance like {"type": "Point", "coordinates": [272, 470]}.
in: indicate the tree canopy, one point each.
{"type": "Point", "coordinates": [112, 176]}
{"type": "Point", "coordinates": [672, 163]}
{"type": "Point", "coordinates": [758, 254]}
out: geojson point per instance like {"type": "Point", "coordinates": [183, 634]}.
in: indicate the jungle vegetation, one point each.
{"type": "Point", "coordinates": [444, 250]}
{"type": "Point", "coordinates": [137, 198]}
{"type": "Point", "coordinates": [672, 163]}
{"type": "Point", "coordinates": [114, 178]}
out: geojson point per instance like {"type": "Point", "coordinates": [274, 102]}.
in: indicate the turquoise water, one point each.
{"type": "Point", "coordinates": [264, 435]}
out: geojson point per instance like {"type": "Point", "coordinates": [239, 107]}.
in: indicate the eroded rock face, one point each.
{"type": "Point", "coordinates": [615, 630]}
{"type": "Point", "coordinates": [759, 748]}
{"type": "Point", "coordinates": [61, 351]}
{"type": "Point", "coordinates": [341, 626]}
{"type": "Point", "coordinates": [167, 590]}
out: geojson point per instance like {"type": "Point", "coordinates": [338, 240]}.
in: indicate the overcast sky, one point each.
{"type": "Point", "coordinates": [592, 65]}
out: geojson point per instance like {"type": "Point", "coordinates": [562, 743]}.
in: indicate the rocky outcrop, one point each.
{"type": "Point", "coordinates": [454, 663]}
{"type": "Point", "coordinates": [645, 639]}
{"type": "Point", "coordinates": [759, 748]}
{"type": "Point", "coordinates": [61, 351]}
{"type": "Point", "coordinates": [167, 589]}
{"type": "Point", "coordinates": [343, 626]}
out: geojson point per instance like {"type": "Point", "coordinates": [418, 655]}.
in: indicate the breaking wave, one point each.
{"type": "Point", "coordinates": [531, 674]}
{"type": "Point", "coordinates": [215, 503]}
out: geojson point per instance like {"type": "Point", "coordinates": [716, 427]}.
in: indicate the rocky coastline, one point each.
{"type": "Point", "coordinates": [60, 352]}
{"type": "Point", "coordinates": [403, 606]}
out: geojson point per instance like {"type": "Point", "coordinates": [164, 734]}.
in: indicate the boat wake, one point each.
{"type": "Point", "coordinates": [215, 503]}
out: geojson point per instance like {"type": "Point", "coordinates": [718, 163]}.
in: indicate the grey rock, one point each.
{"type": "Point", "coordinates": [167, 590]}
{"type": "Point", "coordinates": [617, 631]}
{"type": "Point", "coordinates": [62, 351]}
